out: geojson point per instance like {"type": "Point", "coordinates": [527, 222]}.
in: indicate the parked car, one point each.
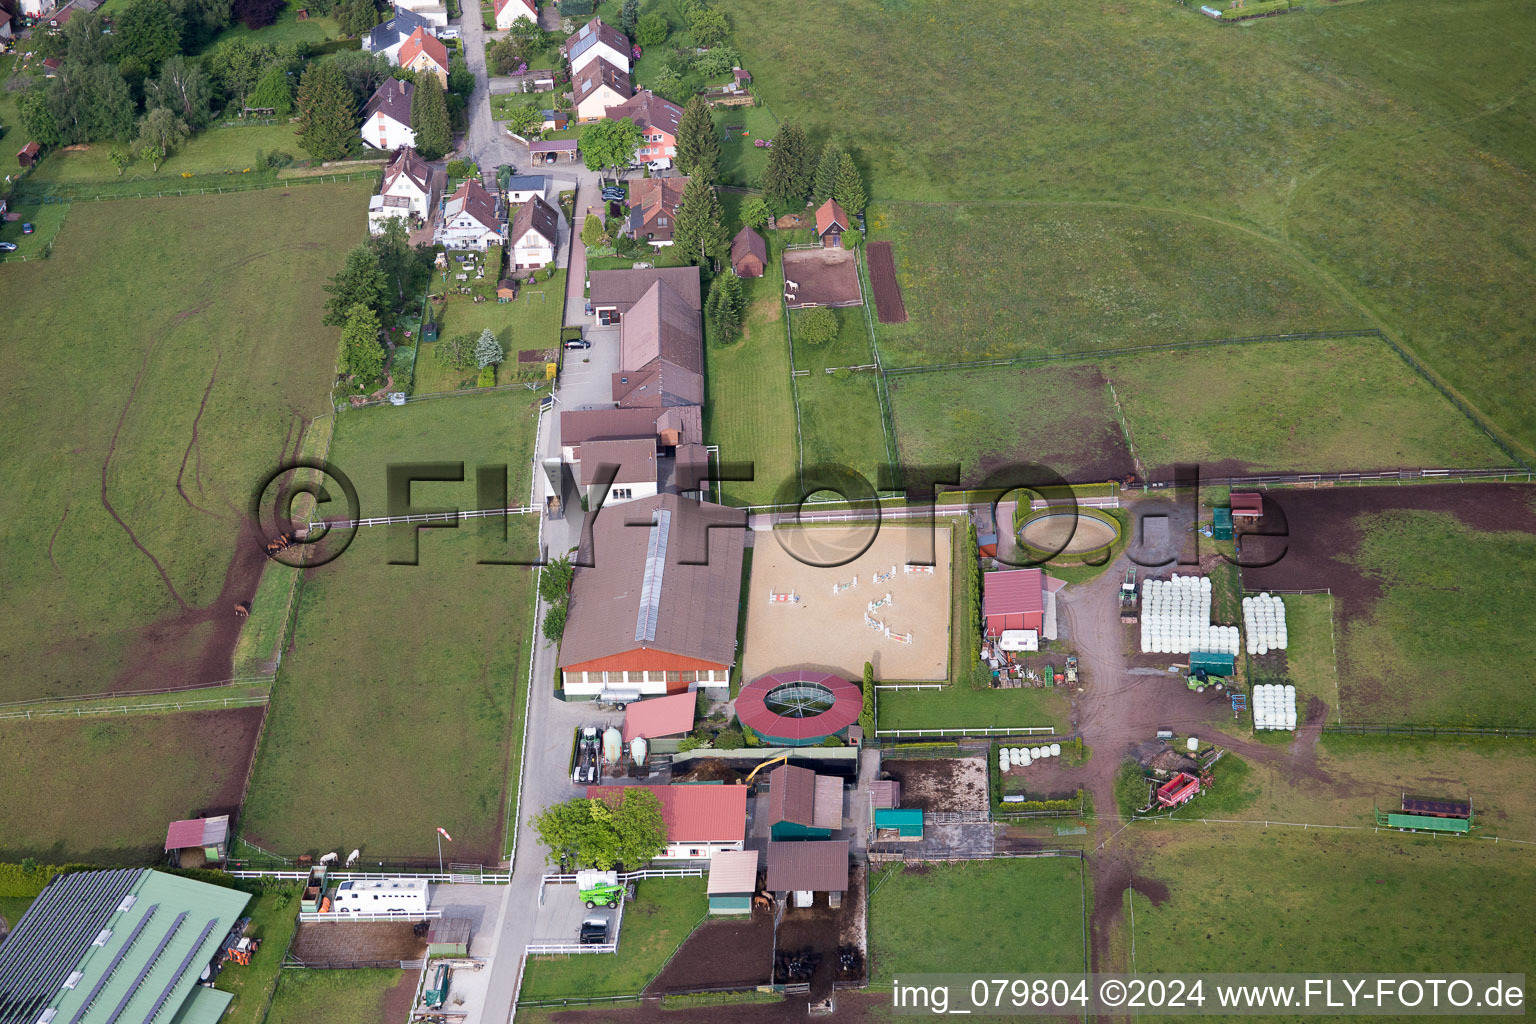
{"type": "Point", "coordinates": [7, 246]}
{"type": "Point", "coordinates": [578, 343]}
{"type": "Point", "coordinates": [589, 307]}
{"type": "Point", "coordinates": [27, 229]}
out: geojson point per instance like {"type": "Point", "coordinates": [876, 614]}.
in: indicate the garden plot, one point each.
{"type": "Point", "coordinates": [806, 616]}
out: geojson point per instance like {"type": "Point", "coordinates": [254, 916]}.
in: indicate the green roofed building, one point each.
{"type": "Point", "coordinates": [117, 946]}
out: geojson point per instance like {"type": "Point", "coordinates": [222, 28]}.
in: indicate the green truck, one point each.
{"type": "Point", "coordinates": [599, 887]}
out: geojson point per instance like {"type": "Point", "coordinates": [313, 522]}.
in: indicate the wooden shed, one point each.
{"type": "Point", "coordinates": [28, 154]}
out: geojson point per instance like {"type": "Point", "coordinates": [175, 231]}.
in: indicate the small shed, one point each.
{"type": "Point", "coordinates": [1221, 524]}
{"type": "Point", "coordinates": [905, 822]}
{"type": "Point", "coordinates": [658, 717]}
{"type": "Point", "coordinates": [1247, 505]}
{"type": "Point", "coordinates": [506, 290]}
{"type": "Point", "coordinates": [986, 545]}
{"type": "Point", "coordinates": [831, 223]}
{"type": "Point", "coordinates": [884, 793]}
{"type": "Point", "coordinates": [193, 842]}
{"type": "Point", "coordinates": [749, 253]}
{"type": "Point", "coordinates": [28, 154]}
{"type": "Point", "coordinates": [448, 936]}
{"type": "Point", "coordinates": [1214, 663]}
{"type": "Point", "coordinates": [732, 881]}
{"type": "Point", "coordinates": [797, 871]}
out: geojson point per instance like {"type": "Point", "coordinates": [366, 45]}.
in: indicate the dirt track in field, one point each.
{"type": "Point", "coordinates": [889, 307]}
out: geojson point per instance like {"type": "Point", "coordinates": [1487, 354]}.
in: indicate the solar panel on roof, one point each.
{"type": "Point", "coordinates": [655, 569]}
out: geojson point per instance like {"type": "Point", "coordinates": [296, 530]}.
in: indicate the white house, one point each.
{"type": "Point", "coordinates": [35, 8]}
{"type": "Point", "coordinates": [701, 820]}
{"type": "Point", "coordinates": [524, 187]}
{"type": "Point", "coordinates": [632, 463]}
{"type": "Point", "coordinates": [508, 11]}
{"type": "Point", "coordinates": [471, 219]}
{"type": "Point", "coordinates": [387, 116]}
{"type": "Point", "coordinates": [433, 12]}
{"type": "Point", "coordinates": [387, 38]}
{"type": "Point", "coordinates": [597, 39]}
{"type": "Point", "coordinates": [407, 191]}
{"type": "Point", "coordinates": [403, 896]}
{"type": "Point", "coordinates": [534, 236]}
{"type": "Point", "coordinates": [5, 24]}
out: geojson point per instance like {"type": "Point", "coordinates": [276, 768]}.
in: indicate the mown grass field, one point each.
{"type": "Point", "coordinates": [664, 913]}
{"type": "Point", "coordinates": [1454, 624]}
{"type": "Point", "coordinates": [61, 805]}
{"type": "Point", "coordinates": [212, 151]}
{"type": "Point", "coordinates": [274, 915]}
{"type": "Point", "coordinates": [742, 163]}
{"type": "Point", "coordinates": [1375, 157]}
{"type": "Point", "coordinates": [749, 407]}
{"type": "Point", "coordinates": [531, 322]}
{"type": "Point", "coordinates": [331, 997]}
{"type": "Point", "coordinates": [287, 29]}
{"type": "Point", "coordinates": [990, 281]}
{"type": "Point", "coordinates": [412, 733]}
{"type": "Point", "coordinates": [926, 918]}
{"type": "Point", "coordinates": [46, 220]}
{"type": "Point", "coordinates": [1309, 663]}
{"type": "Point", "coordinates": [961, 706]}
{"type": "Point", "coordinates": [1291, 900]}
{"type": "Point", "coordinates": [206, 354]}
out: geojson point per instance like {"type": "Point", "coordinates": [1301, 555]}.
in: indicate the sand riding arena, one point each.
{"type": "Point", "coordinates": [806, 615]}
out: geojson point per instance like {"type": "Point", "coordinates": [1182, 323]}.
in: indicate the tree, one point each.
{"type": "Point", "coordinates": [84, 40]}
{"type": "Point", "coordinates": [200, 21]}
{"type": "Point", "coordinates": [254, 14]}
{"type": "Point", "coordinates": [327, 112]}
{"type": "Point", "coordinates": [507, 53]}
{"type": "Point", "coordinates": [121, 157]}
{"type": "Point", "coordinates": [554, 622]}
{"type": "Point", "coordinates": [708, 27]}
{"type": "Point", "coordinates": [429, 118]}
{"type": "Point", "coordinates": [699, 231]}
{"type": "Point", "coordinates": [526, 32]}
{"type": "Point", "coordinates": [362, 356]}
{"type": "Point", "coordinates": [488, 351]}
{"type": "Point", "coordinates": [816, 326]}
{"type": "Point", "coordinates": [668, 84]}
{"type": "Point", "coordinates": [147, 35]}
{"type": "Point", "coordinates": [849, 189]}
{"type": "Point", "coordinates": [592, 231]}
{"type": "Point", "coordinates": [360, 282]}
{"type": "Point", "coordinates": [825, 181]}
{"type": "Point", "coordinates": [182, 87]}
{"type": "Point", "coordinates": [722, 312]}
{"type": "Point", "coordinates": [717, 61]}
{"type": "Point", "coordinates": [461, 80]}
{"type": "Point", "coordinates": [525, 121]}
{"type": "Point", "coordinates": [698, 147]}
{"type": "Point", "coordinates": [652, 30]}
{"type": "Point", "coordinates": [583, 832]}
{"type": "Point", "coordinates": [363, 72]}
{"type": "Point", "coordinates": [357, 17]}
{"type": "Point", "coordinates": [788, 178]}
{"type": "Point", "coordinates": [392, 249]}
{"type": "Point", "coordinates": [273, 92]}
{"type": "Point", "coordinates": [609, 143]}
{"type": "Point", "coordinates": [236, 66]}
{"type": "Point", "coordinates": [38, 121]}
{"type": "Point", "coordinates": [555, 580]}
{"type": "Point", "coordinates": [90, 104]}
{"type": "Point", "coordinates": [160, 131]}
{"type": "Point", "coordinates": [456, 353]}
{"type": "Point", "coordinates": [629, 14]}
{"type": "Point", "coordinates": [867, 715]}
{"type": "Point", "coordinates": [755, 212]}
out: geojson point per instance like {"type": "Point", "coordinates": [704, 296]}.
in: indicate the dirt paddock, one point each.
{"type": "Point", "coordinates": [721, 952]}
{"type": "Point", "coordinates": [357, 941]}
{"type": "Point", "coordinates": [822, 277]}
{"type": "Point", "coordinates": [827, 631]}
{"type": "Point", "coordinates": [941, 784]}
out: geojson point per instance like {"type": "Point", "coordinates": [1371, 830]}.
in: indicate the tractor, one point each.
{"type": "Point", "coordinates": [594, 887]}
{"type": "Point", "coordinates": [241, 951]}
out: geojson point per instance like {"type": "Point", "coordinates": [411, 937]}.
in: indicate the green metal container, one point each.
{"type": "Point", "coordinates": [1221, 525]}
{"type": "Point", "coordinates": [1214, 664]}
{"type": "Point", "coordinates": [1427, 824]}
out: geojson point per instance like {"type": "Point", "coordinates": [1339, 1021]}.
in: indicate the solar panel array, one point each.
{"type": "Point", "coordinates": [54, 936]}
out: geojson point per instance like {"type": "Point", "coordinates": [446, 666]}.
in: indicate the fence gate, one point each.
{"type": "Point", "coordinates": [465, 874]}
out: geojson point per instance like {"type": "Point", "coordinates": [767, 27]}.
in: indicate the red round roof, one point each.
{"type": "Point", "coordinates": [752, 709]}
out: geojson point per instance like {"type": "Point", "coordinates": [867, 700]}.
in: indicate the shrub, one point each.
{"type": "Point", "coordinates": [463, 169]}
{"type": "Point", "coordinates": [730, 739]}
{"type": "Point", "coordinates": [688, 743]}
{"type": "Point", "coordinates": [816, 326]}
{"type": "Point", "coordinates": [487, 378]}
{"type": "Point", "coordinates": [277, 160]}
{"type": "Point", "coordinates": [26, 880]}
{"type": "Point", "coordinates": [650, 30]}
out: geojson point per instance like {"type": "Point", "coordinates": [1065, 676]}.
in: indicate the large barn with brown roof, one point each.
{"type": "Point", "coordinates": [613, 292]}
{"type": "Point", "coordinates": [661, 352]}
{"type": "Point", "coordinates": [655, 600]}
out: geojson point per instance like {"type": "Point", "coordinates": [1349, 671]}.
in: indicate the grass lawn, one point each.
{"type": "Point", "coordinates": [59, 807]}
{"type": "Point", "coordinates": [205, 385]}
{"type": "Point", "coordinates": [960, 706]}
{"type": "Point", "coordinates": [749, 408]}
{"type": "Point", "coordinates": [664, 913]}
{"type": "Point", "coordinates": [1291, 900]}
{"type": "Point", "coordinates": [1455, 622]}
{"type": "Point", "coordinates": [841, 425]}
{"type": "Point", "coordinates": [46, 219]}
{"type": "Point", "coordinates": [331, 997]}
{"type": "Point", "coordinates": [742, 163]}
{"type": "Point", "coordinates": [532, 322]}
{"type": "Point", "coordinates": [849, 348]}
{"type": "Point", "coordinates": [1199, 406]}
{"type": "Point", "coordinates": [926, 918]}
{"type": "Point", "coordinates": [1309, 656]}
{"type": "Point", "coordinates": [12, 909]}
{"type": "Point", "coordinates": [400, 759]}
{"type": "Point", "coordinates": [287, 29]}
{"type": "Point", "coordinates": [987, 281]}
{"type": "Point", "coordinates": [1291, 130]}
{"type": "Point", "coordinates": [273, 914]}
{"type": "Point", "coordinates": [212, 151]}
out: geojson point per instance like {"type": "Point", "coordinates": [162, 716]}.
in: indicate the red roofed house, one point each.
{"type": "Point", "coordinates": [508, 11]}
{"type": "Point", "coordinates": [597, 40]}
{"type": "Point", "coordinates": [671, 715]}
{"type": "Point", "coordinates": [1247, 506]}
{"type": "Point", "coordinates": [653, 204]}
{"type": "Point", "coordinates": [657, 120]}
{"type": "Point", "coordinates": [656, 598]}
{"type": "Point", "coordinates": [831, 222]}
{"type": "Point", "coordinates": [702, 820]}
{"type": "Point", "coordinates": [598, 86]}
{"type": "Point", "coordinates": [1020, 599]}
{"type": "Point", "coordinates": [422, 52]}
{"type": "Point", "coordinates": [749, 253]}
{"type": "Point", "coordinates": [535, 234]}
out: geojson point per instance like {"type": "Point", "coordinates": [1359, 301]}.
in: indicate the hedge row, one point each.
{"type": "Point", "coordinates": [689, 1000]}
{"type": "Point", "coordinates": [26, 880]}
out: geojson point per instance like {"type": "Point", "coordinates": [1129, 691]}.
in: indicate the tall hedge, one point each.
{"type": "Point", "coordinates": [970, 554]}
{"type": "Point", "coordinates": [26, 881]}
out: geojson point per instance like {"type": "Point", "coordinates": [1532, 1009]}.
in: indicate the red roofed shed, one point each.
{"type": "Point", "coordinates": [660, 716]}
{"type": "Point", "coordinates": [1013, 600]}
{"type": "Point", "coordinates": [1247, 506]}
